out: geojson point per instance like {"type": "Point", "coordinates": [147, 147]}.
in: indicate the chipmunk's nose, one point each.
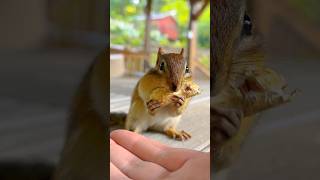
{"type": "Point", "coordinates": [174, 87]}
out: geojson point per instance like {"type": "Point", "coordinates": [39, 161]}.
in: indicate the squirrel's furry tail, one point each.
{"type": "Point", "coordinates": [15, 170]}
{"type": "Point", "coordinates": [117, 118]}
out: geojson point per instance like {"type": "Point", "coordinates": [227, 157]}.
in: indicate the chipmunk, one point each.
{"type": "Point", "coordinates": [84, 154]}
{"type": "Point", "coordinates": [242, 85]}
{"type": "Point", "coordinates": [161, 96]}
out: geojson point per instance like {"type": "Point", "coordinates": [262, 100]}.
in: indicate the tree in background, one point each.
{"type": "Point", "coordinates": [126, 29]}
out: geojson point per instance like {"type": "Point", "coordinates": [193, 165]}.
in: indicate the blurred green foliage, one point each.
{"type": "Point", "coordinates": [204, 28]}
{"type": "Point", "coordinates": [127, 29]}
{"type": "Point", "coordinates": [124, 33]}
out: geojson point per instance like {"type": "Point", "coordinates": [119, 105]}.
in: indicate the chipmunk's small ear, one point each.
{"type": "Point", "coordinates": [160, 51]}
{"type": "Point", "coordinates": [181, 52]}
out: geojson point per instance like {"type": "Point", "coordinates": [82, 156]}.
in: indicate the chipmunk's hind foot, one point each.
{"type": "Point", "coordinates": [178, 135]}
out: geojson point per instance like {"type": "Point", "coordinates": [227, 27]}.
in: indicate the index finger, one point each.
{"type": "Point", "coordinates": [129, 135]}
{"type": "Point", "coordinates": [153, 151]}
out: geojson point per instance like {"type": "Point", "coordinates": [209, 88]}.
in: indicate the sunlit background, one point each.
{"type": "Point", "coordinates": [137, 29]}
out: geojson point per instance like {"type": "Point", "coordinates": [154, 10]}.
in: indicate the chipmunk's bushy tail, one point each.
{"type": "Point", "coordinates": [117, 118]}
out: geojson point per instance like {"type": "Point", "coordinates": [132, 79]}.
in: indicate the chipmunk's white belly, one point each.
{"type": "Point", "coordinates": [163, 119]}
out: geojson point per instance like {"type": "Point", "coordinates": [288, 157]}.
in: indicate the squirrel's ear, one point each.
{"type": "Point", "coordinates": [181, 52]}
{"type": "Point", "coordinates": [160, 52]}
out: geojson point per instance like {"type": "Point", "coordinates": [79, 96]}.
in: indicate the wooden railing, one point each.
{"type": "Point", "coordinates": [133, 59]}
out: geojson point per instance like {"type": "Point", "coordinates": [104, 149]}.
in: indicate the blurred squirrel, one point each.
{"type": "Point", "coordinates": [84, 155]}
{"type": "Point", "coordinates": [242, 85]}
{"type": "Point", "coordinates": [161, 96]}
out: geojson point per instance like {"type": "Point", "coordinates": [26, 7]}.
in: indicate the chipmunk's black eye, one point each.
{"type": "Point", "coordinates": [187, 70]}
{"type": "Point", "coordinates": [162, 66]}
{"type": "Point", "coordinates": [247, 26]}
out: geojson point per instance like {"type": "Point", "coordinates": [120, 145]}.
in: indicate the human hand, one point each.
{"type": "Point", "coordinates": [133, 156]}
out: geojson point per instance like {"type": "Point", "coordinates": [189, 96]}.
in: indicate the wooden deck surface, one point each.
{"type": "Point", "coordinates": [196, 119]}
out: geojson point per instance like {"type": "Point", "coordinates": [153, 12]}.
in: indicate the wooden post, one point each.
{"type": "Point", "coordinates": [147, 43]}
{"type": "Point", "coordinates": [192, 41]}
{"type": "Point", "coordinates": [192, 29]}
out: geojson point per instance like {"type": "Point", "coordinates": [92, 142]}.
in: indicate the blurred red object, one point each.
{"type": "Point", "coordinates": [167, 25]}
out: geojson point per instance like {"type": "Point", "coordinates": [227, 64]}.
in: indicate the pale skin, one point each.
{"type": "Point", "coordinates": [133, 156]}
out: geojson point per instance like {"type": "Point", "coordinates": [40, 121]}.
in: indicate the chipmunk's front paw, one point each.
{"type": "Point", "coordinates": [178, 135]}
{"type": "Point", "coordinates": [225, 123]}
{"type": "Point", "coordinates": [152, 106]}
{"type": "Point", "coordinates": [177, 100]}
